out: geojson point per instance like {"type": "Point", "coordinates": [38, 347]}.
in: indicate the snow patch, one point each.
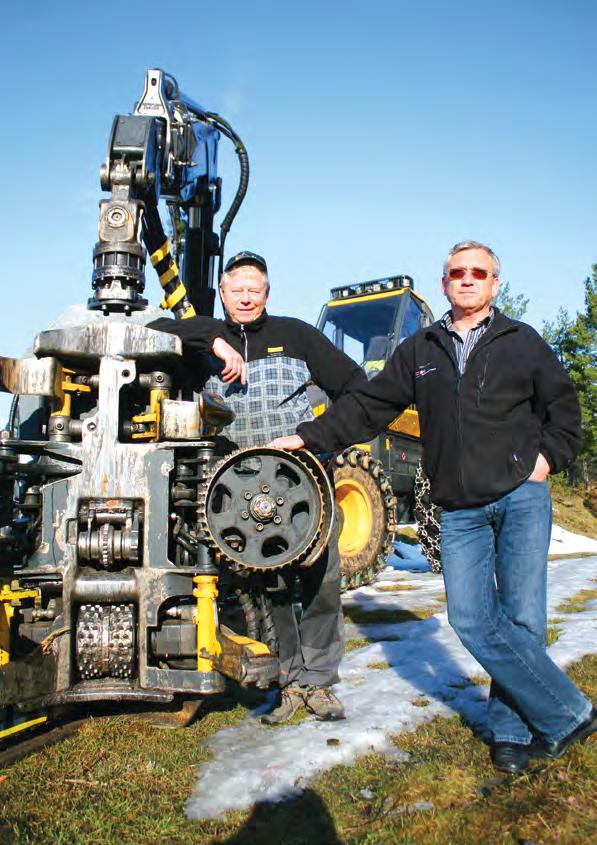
{"type": "Point", "coordinates": [429, 675]}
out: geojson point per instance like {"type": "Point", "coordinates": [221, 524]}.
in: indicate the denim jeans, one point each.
{"type": "Point", "coordinates": [494, 559]}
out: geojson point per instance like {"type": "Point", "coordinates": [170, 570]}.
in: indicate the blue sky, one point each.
{"type": "Point", "coordinates": [379, 134]}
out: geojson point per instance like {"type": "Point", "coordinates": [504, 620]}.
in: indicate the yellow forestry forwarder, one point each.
{"type": "Point", "coordinates": [375, 482]}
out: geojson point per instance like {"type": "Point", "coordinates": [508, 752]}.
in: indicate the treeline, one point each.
{"type": "Point", "coordinates": [574, 340]}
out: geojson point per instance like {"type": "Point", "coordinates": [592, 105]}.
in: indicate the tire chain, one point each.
{"type": "Point", "coordinates": [427, 518]}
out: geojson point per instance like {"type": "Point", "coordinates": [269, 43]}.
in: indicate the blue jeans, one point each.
{"type": "Point", "coordinates": [494, 559]}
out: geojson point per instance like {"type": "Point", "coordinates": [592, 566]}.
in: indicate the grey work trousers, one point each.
{"type": "Point", "coordinates": [310, 648]}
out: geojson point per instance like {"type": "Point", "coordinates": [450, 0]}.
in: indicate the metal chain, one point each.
{"type": "Point", "coordinates": [427, 517]}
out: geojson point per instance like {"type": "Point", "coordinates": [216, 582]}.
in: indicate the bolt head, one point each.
{"type": "Point", "coordinates": [259, 526]}
{"type": "Point", "coordinates": [248, 495]}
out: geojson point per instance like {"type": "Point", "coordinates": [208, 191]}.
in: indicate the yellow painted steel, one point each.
{"type": "Point", "coordinates": [206, 620]}
{"type": "Point", "coordinates": [190, 312]}
{"type": "Point", "coordinates": [253, 645]}
{"type": "Point", "coordinates": [23, 726]}
{"type": "Point", "coordinates": [365, 446]}
{"type": "Point", "coordinates": [156, 395]}
{"type": "Point", "coordinates": [358, 518]}
{"type": "Point", "coordinates": [160, 253]}
{"type": "Point", "coordinates": [66, 389]}
{"type": "Point", "coordinates": [407, 423]}
{"type": "Point", "coordinates": [366, 297]}
{"type": "Point", "coordinates": [7, 596]}
{"type": "Point", "coordinates": [275, 349]}
{"type": "Point", "coordinates": [334, 303]}
{"type": "Point", "coordinates": [319, 409]}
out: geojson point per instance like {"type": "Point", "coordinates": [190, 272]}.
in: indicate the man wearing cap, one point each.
{"type": "Point", "coordinates": [498, 414]}
{"type": "Point", "coordinates": [281, 357]}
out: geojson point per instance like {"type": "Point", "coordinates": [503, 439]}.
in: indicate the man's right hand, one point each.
{"type": "Point", "coordinates": [234, 365]}
{"type": "Point", "coordinates": [291, 443]}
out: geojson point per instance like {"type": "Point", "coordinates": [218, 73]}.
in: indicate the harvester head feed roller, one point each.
{"type": "Point", "coordinates": [264, 509]}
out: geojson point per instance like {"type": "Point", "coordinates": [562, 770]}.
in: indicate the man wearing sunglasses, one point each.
{"type": "Point", "coordinates": [498, 414]}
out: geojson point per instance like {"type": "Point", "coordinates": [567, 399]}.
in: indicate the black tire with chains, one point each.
{"type": "Point", "coordinates": [361, 568]}
{"type": "Point", "coordinates": [427, 516]}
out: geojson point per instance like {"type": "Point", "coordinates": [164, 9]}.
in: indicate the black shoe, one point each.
{"type": "Point", "coordinates": [510, 757]}
{"type": "Point", "coordinates": [543, 748]}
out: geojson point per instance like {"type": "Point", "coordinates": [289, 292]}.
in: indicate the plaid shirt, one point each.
{"type": "Point", "coordinates": [464, 347]}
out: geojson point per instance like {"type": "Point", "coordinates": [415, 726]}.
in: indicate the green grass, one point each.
{"type": "Point", "coordinates": [120, 781]}
{"type": "Point", "coordinates": [577, 603]}
{"type": "Point", "coordinates": [572, 509]}
{"type": "Point", "coordinates": [355, 643]}
{"type": "Point", "coordinates": [361, 615]}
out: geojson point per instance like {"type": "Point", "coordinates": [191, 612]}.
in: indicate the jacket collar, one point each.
{"type": "Point", "coordinates": [255, 326]}
{"type": "Point", "coordinates": [499, 324]}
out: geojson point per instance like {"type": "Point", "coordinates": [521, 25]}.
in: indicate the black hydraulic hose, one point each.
{"type": "Point", "coordinates": [250, 612]}
{"type": "Point", "coordinates": [243, 183]}
{"type": "Point", "coordinates": [12, 416]}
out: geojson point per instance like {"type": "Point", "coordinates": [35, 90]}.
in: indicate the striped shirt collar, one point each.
{"type": "Point", "coordinates": [447, 322]}
{"type": "Point", "coordinates": [463, 346]}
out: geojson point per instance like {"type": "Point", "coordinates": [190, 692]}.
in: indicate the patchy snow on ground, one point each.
{"type": "Point", "coordinates": [566, 543]}
{"type": "Point", "coordinates": [425, 672]}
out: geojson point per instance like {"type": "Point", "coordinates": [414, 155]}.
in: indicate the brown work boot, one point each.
{"type": "Point", "coordinates": [292, 698]}
{"type": "Point", "coordinates": [324, 704]}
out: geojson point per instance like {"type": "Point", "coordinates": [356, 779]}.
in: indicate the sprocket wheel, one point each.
{"type": "Point", "coordinates": [367, 513]}
{"type": "Point", "coordinates": [264, 508]}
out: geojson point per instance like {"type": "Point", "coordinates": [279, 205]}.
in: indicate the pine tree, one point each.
{"type": "Point", "coordinates": [574, 340]}
{"type": "Point", "coordinates": [510, 305]}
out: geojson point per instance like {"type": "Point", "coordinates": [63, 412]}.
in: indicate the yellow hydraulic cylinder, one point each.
{"type": "Point", "coordinates": [206, 620]}
{"type": "Point", "coordinates": [7, 596]}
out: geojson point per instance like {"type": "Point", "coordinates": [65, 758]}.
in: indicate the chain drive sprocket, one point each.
{"type": "Point", "coordinates": [277, 515]}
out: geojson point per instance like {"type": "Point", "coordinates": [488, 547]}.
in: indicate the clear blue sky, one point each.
{"type": "Point", "coordinates": [379, 134]}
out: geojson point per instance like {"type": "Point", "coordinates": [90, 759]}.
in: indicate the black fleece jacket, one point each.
{"type": "Point", "coordinates": [482, 430]}
{"type": "Point", "coordinates": [270, 336]}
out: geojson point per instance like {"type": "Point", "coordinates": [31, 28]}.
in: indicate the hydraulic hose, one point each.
{"type": "Point", "coordinates": [243, 183]}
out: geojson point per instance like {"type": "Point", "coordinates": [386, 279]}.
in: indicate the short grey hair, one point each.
{"type": "Point", "coordinates": [459, 247]}
{"type": "Point", "coordinates": [227, 275]}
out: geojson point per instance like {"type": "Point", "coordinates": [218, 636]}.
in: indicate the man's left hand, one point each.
{"type": "Point", "coordinates": [541, 470]}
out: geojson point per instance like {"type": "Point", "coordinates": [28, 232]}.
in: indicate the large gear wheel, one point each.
{"type": "Point", "coordinates": [264, 508]}
{"type": "Point", "coordinates": [367, 514]}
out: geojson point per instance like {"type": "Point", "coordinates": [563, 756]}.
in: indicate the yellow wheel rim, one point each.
{"type": "Point", "coordinates": [355, 504]}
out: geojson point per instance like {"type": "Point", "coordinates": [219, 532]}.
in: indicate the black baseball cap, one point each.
{"type": "Point", "coordinates": [245, 257]}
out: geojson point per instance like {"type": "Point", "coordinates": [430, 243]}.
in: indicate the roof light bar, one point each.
{"type": "Point", "coordinates": [374, 286]}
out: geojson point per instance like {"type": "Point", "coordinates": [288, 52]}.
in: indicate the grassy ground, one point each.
{"type": "Point", "coordinates": [121, 781]}
{"type": "Point", "coordinates": [573, 509]}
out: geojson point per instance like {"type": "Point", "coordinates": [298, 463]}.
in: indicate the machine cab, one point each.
{"type": "Point", "coordinates": [368, 320]}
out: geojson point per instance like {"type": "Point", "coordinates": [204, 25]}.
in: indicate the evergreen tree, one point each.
{"type": "Point", "coordinates": [510, 305]}
{"type": "Point", "coordinates": [574, 340]}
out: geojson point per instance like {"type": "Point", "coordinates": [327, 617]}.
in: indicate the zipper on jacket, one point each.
{"type": "Point", "coordinates": [459, 429]}
{"type": "Point", "coordinates": [243, 335]}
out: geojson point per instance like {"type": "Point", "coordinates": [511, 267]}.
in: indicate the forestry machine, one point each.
{"type": "Point", "coordinates": [377, 484]}
{"type": "Point", "coordinates": [121, 515]}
